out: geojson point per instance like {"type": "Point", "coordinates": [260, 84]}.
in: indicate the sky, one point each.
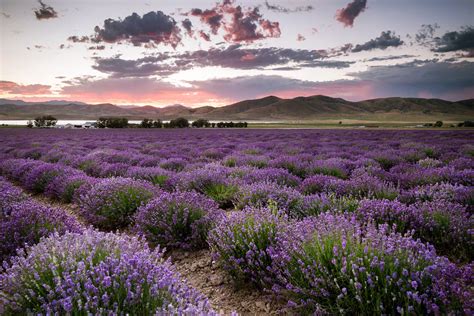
{"type": "Point", "coordinates": [199, 53]}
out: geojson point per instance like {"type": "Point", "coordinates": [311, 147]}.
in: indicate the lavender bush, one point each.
{"type": "Point", "coordinates": [213, 182]}
{"type": "Point", "coordinates": [9, 196]}
{"type": "Point", "coordinates": [336, 265]}
{"type": "Point", "coordinates": [180, 219]}
{"type": "Point", "coordinates": [28, 222]}
{"type": "Point", "coordinates": [111, 203]}
{"type": "Point", "coordinates": [242, 243]}
{"type": "Point", "coordinates": [163, 178]}
{"type": "Point", "coordinates": [446, 225]}
{"type": "Point", "coordinates": [95, 274]}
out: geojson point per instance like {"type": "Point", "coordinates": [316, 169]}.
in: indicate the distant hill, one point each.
{"type": "Point", "coordinates": [270, 108]}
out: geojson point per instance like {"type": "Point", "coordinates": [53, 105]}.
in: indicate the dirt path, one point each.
{"type": "Point", "coordinates": [198, 269]}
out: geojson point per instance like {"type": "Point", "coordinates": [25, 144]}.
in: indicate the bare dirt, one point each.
{"type": "Point", "coordinates": [225, 296]}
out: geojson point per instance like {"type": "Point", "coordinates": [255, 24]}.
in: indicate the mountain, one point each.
{"type": "Point", "coordinates": [270, 108]}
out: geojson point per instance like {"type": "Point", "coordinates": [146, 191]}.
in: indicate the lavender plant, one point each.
{"type": "Point", "coordinates": [242, 243]}
{"type": "Point", "coordinates": [95, 274]}
{"type": "Point", "coordinates": [29, 221]}
{"type": "Point", "coordinates": [334, 264]}
{"type": "Point", "coordinates": [111, 203]}
{"type": "Point", "coordinates": [179, 219]}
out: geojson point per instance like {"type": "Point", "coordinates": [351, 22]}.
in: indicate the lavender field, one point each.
{"type": "Point", "coordinates": [191, 221]}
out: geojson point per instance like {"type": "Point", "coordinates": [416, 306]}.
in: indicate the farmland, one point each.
{"type": "Point", "coordinates": [261, 221]}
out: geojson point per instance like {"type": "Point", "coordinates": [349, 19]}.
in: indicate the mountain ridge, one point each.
{"type": "Point", "coordinates": [301, 108]}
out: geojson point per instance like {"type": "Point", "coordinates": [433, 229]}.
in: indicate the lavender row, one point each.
{"type": "Point", "coordinates": [335, 264]}
{"type": "Point", "coordinates": [52, 264]}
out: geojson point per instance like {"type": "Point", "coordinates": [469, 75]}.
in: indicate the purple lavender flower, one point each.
{"type": "Point", "coordinates": [111, 203]}
{"type": "Point", "coordinates": [309, 272]}
{"type": "Point", "coordinates": [28, 222]}
{"type": "Point", "coordinates": [243, 242]}
{"type": "Point", "coordinates": [180, 219]}
{"type": "Point", "coordinates": [96, 273]}
{"type": "Point", "coordinates": [260, 194]}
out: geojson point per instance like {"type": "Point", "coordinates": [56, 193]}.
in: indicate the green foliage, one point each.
{"type": "Point", "coordinates": [112, 122]}
{"type": "Point", "coordinates": [350, 279]}
{"type": "Point", "coordinates": [201, 123]}
{"type": "Point", "coordinates": [146, 123]}
{"type": "Point", "coordinates": [179, 122]}
{"type": "Point", "coordinates": [222, 194]}
{"type": "Point", "coordinates": [45, 121]}
{"type": "Point", "coordinates": [438, 124]}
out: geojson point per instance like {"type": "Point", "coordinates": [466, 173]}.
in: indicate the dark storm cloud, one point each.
{"type": "Point", "coordinates": [436, 79]}
{"type": "Point", "coordinates": [348, 14]}
{"type": "Point", "coordinates": [385, 40]}
{"type": "Point", "coordinates": [45, 11]}
{"type": "Point", "coordinates": [188, 26]}
{"type": "Point", "coordinates": [234, 56]}
{"type": "Point", "coordinates": [455, 41]}
{"type": "Point", "coordinates": [151, 28]}
{"type": "Point", "coordinates": [281, 9]}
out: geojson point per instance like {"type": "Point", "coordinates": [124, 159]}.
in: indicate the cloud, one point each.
{"type": "Point", "coordinates": [385, 40]}
{"type": "Point", "coordinates": [209, 17]}
{"type": "Point", "coordinates": [249, 87]}
{"type": "Point", "coordinates": [143, 67]}
{"type": "Point", "coordinates": [426, 34]}
{"type": "Point", "coordinates": [133, 90]}
{"type": "Point", "coordinates": [239, 25]}
{"type": "Point", "coordinates": [384, 58]}
{"type": "Point", "coordinates": [245, 26]}
{"type": "Point", "coordinates": [455, 41]}
{"type": "Point", "coordinates": [5, 15]}
{"type": "Point", "coordinates": [348, 14]}
{"type": "Point", "coordinates": [79, 39]}
{"type": "Point", "coordinates": [235, 56]}
{"type": "Point", "coordinates": [204, 36]}
{"type": "Point", "coordinates": [281, 9]}
{"type": "Point", "coordinates": [10, 87]}
{"type": "Point", "coordinates": [300, 38]}
{"type": "Point", "coordinates": [188, 26]}
{"type": "Point", "coordinates": [452, 81]}
{"type": "Point", "coordinates": [151, 28]}
{"type": "Point", "coordinates": [45, 11]}
{"type": "Point", "coordinates": [97, 47]}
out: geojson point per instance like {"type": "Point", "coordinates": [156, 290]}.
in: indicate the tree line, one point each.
{"type": "Point", "coordinates": [183, 123]}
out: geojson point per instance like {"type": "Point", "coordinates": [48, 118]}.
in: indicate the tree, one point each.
{"type": "Point", "coordinates": [45, 121]}
{"type": "Point", "coordinates": [179, 122]}
{"type": "Point", "coordinates": [438, 124]}
{"type": "Point", "coordinates": [157, 123]}
{"type": "Point", "coordinates": [146, 123]}
{"type": "Point", "coordinates": [468, 123]}
{"type": "Point", "coordinates": [112, 122]}
{"type": "Point", "coordinates": [201, 123]}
